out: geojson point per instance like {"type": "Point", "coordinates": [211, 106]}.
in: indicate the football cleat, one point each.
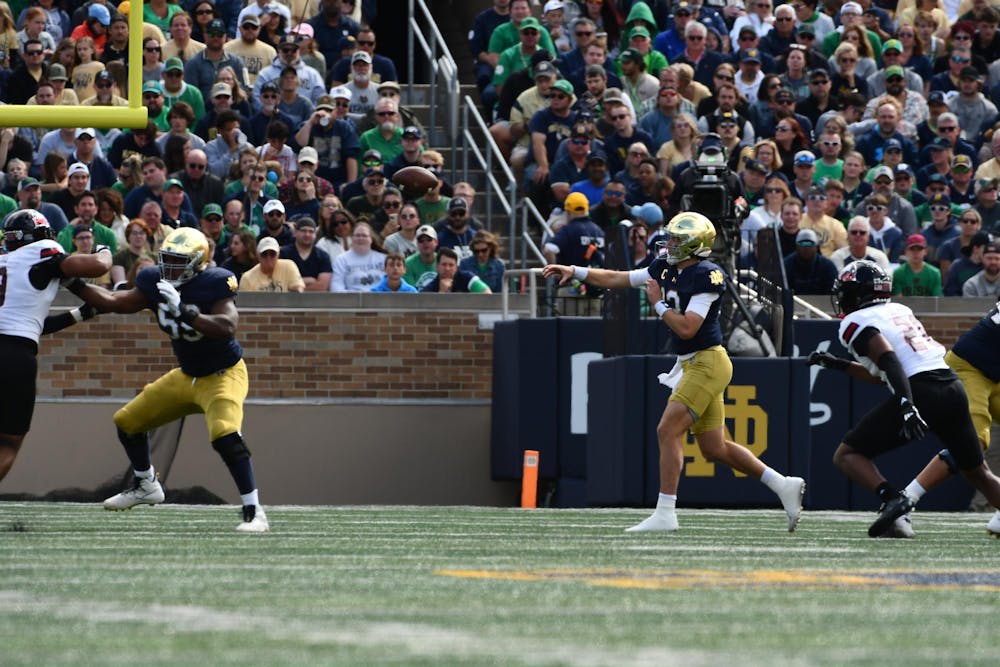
{"type": "Point", "coordinates": [658, 521]}
{"type": "Point", "coordinates": [143, 492]}
{"type": "Point", "coordinates": [254, 520]}
{"type": "Point", "coordinates": [792, 491]}
{"type": "Point", "coordinates": [889, 512]}
{"type": "Point", "coordinates": [993, 527]}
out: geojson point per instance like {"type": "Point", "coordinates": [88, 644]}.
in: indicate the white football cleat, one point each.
{"type": "Point", "coordinates": [993, 527]}
{"type": "Point", "coordinates": [657, 521]}
{"type": "Point", "coordinates": [790, 494]}
{"type": "Point", "coordinates": [143, 492]}
{"type": "Point", "coordinates": [254, 520]}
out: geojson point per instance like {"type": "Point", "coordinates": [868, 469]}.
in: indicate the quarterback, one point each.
{"type": "Point", "coordinates": [686, 290]}
{"type": "Point", "coordinates": [195, 307]}
{"type": "Point", "coordinates": [30, 271]}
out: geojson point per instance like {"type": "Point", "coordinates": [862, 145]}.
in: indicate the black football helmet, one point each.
{"type": "Point", "coordinates": [23, 227]}
{"type": "Point", "coordinates": [860, 284]}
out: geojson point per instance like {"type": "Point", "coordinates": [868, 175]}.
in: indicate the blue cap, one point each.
{"type": "Point", "coordinates": [903, 168]}
{"type": "Point", "coordinates": [649, 212]}
{"type": "Point", "coordinates": [892, 144]}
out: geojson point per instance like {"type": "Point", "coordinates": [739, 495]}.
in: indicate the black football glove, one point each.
{"type": "Point", "coordinates": [827, 360]}
{"type": "Point", "coordinates": [914, 426]}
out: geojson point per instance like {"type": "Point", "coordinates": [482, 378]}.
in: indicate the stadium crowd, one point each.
{"type": "Point", "coordinates": [857, 130]}
{"type": "Point", "coordinates": [274, 128]}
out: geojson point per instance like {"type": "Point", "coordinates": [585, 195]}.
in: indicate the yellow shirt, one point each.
{"type": "Point", "coordinates": [832, 233]}
{"type": "Point", "coordinates": [285, 277]}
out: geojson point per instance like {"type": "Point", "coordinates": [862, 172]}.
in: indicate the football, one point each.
{"type": "Point", "coordinates": [415, 181]}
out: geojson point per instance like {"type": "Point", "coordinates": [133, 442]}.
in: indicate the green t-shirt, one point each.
{"type": "Point", "coordinates": [102, 236]}
{"type": "Point", "coordinates": [162, 23]}
{"type": "Point", "coordinates": [7, 206]}
{"type": "Point", "coordinates": [506, 36]}
{"type": "Point", "coordinates": [431, 212]}
{"type": "Point", "coordinates": [908, 283]}
{"type": "Point", "coordinates": [189, 94]}
{"type": "Point", "coordinates": [417, 273]}
{"type": "Point", "coordinates": [825, 172]}
{"type": "Point", "coordinates": [390, 149]}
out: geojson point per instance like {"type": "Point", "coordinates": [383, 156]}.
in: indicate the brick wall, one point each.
{"type": "Point", "coordinates": [312, 354]}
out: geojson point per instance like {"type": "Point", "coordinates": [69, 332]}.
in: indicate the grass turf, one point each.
{"type": "Point", "coordinates": [176, 585]}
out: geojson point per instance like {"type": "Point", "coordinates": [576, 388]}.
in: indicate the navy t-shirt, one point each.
{"type": "Point", "coordinates": [681, 286]}
{"type": "Point", "coordinates": [316, 263]}
{"type": "Point", "coordinates": [554, 128]}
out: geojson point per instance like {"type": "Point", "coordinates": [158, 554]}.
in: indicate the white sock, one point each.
{"type": "Point", "coordinates": [914, 490]}
{"type": "Point", "coordinates": [145, 474]}
{"type": "Point", "coordinates": [666, 501]}
{"type": "Point", "coordinates": [772, 479]}
{"type": "Point", "coordinates": [250, 498]}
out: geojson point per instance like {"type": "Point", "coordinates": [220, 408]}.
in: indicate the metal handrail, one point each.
{"type": "Point", "coordinates": [443, 66]}
{"type": "Point", "coordinates": [532, 291]}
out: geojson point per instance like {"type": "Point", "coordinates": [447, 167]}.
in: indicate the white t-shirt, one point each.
{"type": "Point", "coordinates": [357, 273]}
{"type": "Point", "coordinates": [23, 308]}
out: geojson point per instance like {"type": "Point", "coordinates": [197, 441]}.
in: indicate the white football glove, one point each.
{"type": "Point", "coordinates": [170, 296]}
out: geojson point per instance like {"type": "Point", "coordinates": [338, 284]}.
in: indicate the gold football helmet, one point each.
{"type": "Point", "coordinates": [183, 254]}
{"type": "Point", "coordinates": [687, 235]}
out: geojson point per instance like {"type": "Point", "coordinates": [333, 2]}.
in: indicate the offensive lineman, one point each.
{"type": "Point", "coordinates": [195, 307]}
{"type": "Point", "coordinates": [891, 346]}
{"type": "Point", "coordinates": [30, 272]}
{"type": "Point", "coordinates": [686, 291]}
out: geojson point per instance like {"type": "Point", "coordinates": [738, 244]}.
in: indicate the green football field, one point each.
{"type": "Point", "coordinates": [176, 585]}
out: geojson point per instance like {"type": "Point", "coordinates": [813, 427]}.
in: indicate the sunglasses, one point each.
{"type": "Point", "coordinates": [259, 179]}
{"type": "Point", "coordinates": [341, 221]}
{"type": "Point", "coordinates": [579, 142]}
{"type": "Point", "coordinates": [192, 165]}
{"type": "Point", "coordinates": [153, 49]}
{"type": "Point", "coordinates": [857, 232]}
{"type": "Point", "coordinates": [817, 197]}
{"type": "Point", "coordinates": [274, 214]}
{"type": "Point", "coordinates": [250, 26]}
{"type": "Point", "coordinates": [205, 12]}
{"type": "Point", "coordinates": [584, 34]}
{"type": "Point", "coordinates": [894, 79]}
{"type": "Point", "coordinates": [784, 19]}
{"type": "Point", "coordinates": [773, 191]}
{"type": "Point", "coordinates": [343, 105]}
{"type": "Point", "coordinates": [385, 113]}
{"type": "Point", "coordinates": [392, 204]}
{"type": "Point", "coordinates": [376, 181]}
{"type": "Point", "coordinates": [695, 38]}
{"type": "Point", "coordinates": [558, 96]}
{"type": "Point", "coordinates": [969, 221]}
{"type": "Point", "coordinates": [621, 116]}
{"type": "Point", "coordinates": [957, 59]}
{"type": "Point", "coordinates": [782, 128]}
{"type": "Point", "coordinates": [366, 42]}
{"type": "Point", "coordinates": [33, 52]}
{"type": "Point", "coordinates": [962, 37]}
{"type": "Point", "coordinates": [211, 218]}
{"type": "Point", "coordinates": [481, 251]}
{"type": "Point", "coordinates": [216, 33]}
{"type": "Point", "coordinates": [725, 77]}
{"type": "Point", "coordinates": [407, 216]}
{"type": "Point", "coordinates": [529, 31]}
{"type": "Point", "coordinates": [102, 85]}
{"type": "Point", "coordinates": [614, 193]}
{"type": "Point", "coordinates": [939, 208]}
{"type": "Point", "coordinates": [831, 143]}
{"type": "Point", "coordinates": [875, 207]}
{"type": "Point", "coordinates": [950, 128]}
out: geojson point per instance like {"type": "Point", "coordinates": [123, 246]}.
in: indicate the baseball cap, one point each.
{"type": "Point", "coordinates": [427, 230]}
{"type": "Point", "coordinates": [541, 55]}
{"type": "Point", "coordinates": [941, 198]}
{"type": "Point", "coordinates": [806, 238]}
{"type": "Point", "coordinates": [969, 72]}
{"type": "Point", "coordinates": [325, 102]}
{"type": "Point", "coordinates": [576, 202]}
{"type": "Point", "coordinates": [784, 95]}
{"type": "Point", "coordinates": [57, 72]}
{"type": "Point", "coordinates": [639, 30]}
{"type": "Point", "coordinates": [730, 117]}
{"type": "Point", "coordinates": [991, 248]}
{"type": "Point", "coordinates": [597, 156]}
{"type": "Point", "coordinates": [78, 168]}
{"type": "Point", "coordinates": [563, 86]}
{"type": "Point", "coordinates": [273, 205]}
{"type": "Point", "coordinates": [892, 45]}
{"type": "Point", "coordinates": [978, 239]}
{"type": "Point", "coordinates": [216, 26]}
{"type": "Point", "coordinates": [388, 85]}
{"type": "Point", "coordinates": [894, 70]}
{"type": "Point", "coordinates": [173, 63]}
{"type": "Point", "coordinates": [267, 244]}
{"type": "Point", "coordinates": [632, 55]}
{"type": "Point", "coordinates": [361, 56]}
{"type": "Point", "coordinates": [612, 95]}
{"type": "Point", "coordinates": [649, 212]}
{"type": "Point", "coordinates": [341, 93]}
{"type": "Point", "coordinates": [347, 42]}
{"type": "Point", "coordinates": [819, 74]}
{"type": "Point", "coordinates": [304, 29]}
{"type": "Point", "coordinates": [961, 160]}
{"type": "Point", "coordinates": [371, 155]}
{"type": "Point", "coordinates": [172, 182]}
{"type": "Point", "coordinates": [458, 203]}
{"type": "Point", "coordinates": [937, 97]}
{"type": "Point", "coordinates": [882, 170]}
{"type": "Point", "coordinates": [289, 40]}
{"type": "Point", "coordinates": [804, 157]}
{"type": "Point", "coordinates": [937, 178]}
{"type": "Point", "coordinates": [892, 144]}
{"type": "Point", "coordinates": [28, 182]}
{"type": "Point", "coordinates": [852, 7]}
{"type": "Point", "coordinates": [903, 168]}
{"type": "Point", "coordinates": [101, 13]}
{"type": "Point", "coordinates": [82, 229]}
{"type": "Point", "coordinates": [252, 19]}
{"type": "Point", "coordinates": [269, 87]}
{"type": "Point", "coordinates": [755, 165]}
{"type": "Point", "coordinates": [747, 28]}
{"type": "Point", "coordinates": [806, 29]}
{"type": "Point", "coordinates": [413, 131]}
{"type": "Point", "coordinates": [154, 87]}
{"type": "Point", "coordinates": [221, 89]}
{"type": "Point", "coordinates": [916, 240]}
{"type": "Point", "coordinates": [305, 221]}
{"type": "Point", "coordinates": [544, 68]}
{"type": "Point", "coordinates": [84, 131]}
{"type": "Point", "coordinates": [984, 183]}
{"type": "Point", "coordinates": [529, 22]}
{"type": "Point", "coordinates": [308, 154]}
{"type": "Point", "coordinates": [594, 70]}
{"type": "Point", "coordinates": [101, 76]}
{"type": "Point", "coordinates": [940, 143]}
{"type": "Point", "coordinates": [751, 56]}
{"type": "Point", "coordinates": [552, 5]}
{"type": "Point", "coordinates": [211, 209]}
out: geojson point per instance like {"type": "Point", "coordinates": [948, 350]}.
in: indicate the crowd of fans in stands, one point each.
{"type": "Point", "coordinates": [857, 129]}
{"type": "Point", "coordinates": [274, 127]}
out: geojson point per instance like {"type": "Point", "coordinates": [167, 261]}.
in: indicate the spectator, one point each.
{"type": "Point", "coordinates": [942, 227]}
{"type": "Point", "coordinates": [77, 181]}
{"type": "Point", "coordinates": [201, 186]}
{"type": "Point", "coordinates": [411, 149]}
{"type": "Point", "coordinates": [212, 227]}
{"type": "Point", "coordinates": [883, 234]}
{"type": "Point", "coordinates": [986, 283]}
{"type": "Point", "coordinates": [900, 211]}
{"type": "Point", "coordinates": [329, 26]}
{"type": "Point", "coordinates": [102, 174]}
{"type": "Point", "coordinates": [133, 255]}
{"type": "Point", "coordinates": [404, 241]}
{"type": "Point", "coordinates": [296, 106]}
{"type": "Point", "coordinates": [23, 82]}
{"type": "Point", "coordinates": [986, 204]}
{"type": "Point", "coordinates": [385, 219]}
{"type": "Point", "coordinates": [229, 142]}
{"type": "Point", "coordinates": [374, 188]}
{"type": "Point", "coordinates": [255, 53]}
{"type": "Point", "coordinates": [642, 87]}
{"type": "Point", "coordinates": [421, 267]}
{"type": "Point", "coordinates": [200, 71]}
{"type": "Point", "coordinates": [969, 225]}
{"type": "Point", "coordinates": [809, 272]}
{"type": "Point", "coordinates": [274, 223]}
{"type": "Point", "coordinates": [580, 242]}
{"type": "Point", "coordinates": [395, 267]}
{"type": "Point", "coordinates": [361, 267]}
{"type": "Point", "coordinates": [154, 176]}
{"type": "Point", "coordinates": [180, 118]}
{"type": "Point", "coordinates": [968, 264]}
{"type": "Point", "coordinates": [696, 53]}
{"type": "Point", "coordinates": [109, 213]}
{"type": "Point", "coordinates": [310, 83]}
{"type": "Point", "coordinates": [974, 111]}
{"type": "Point", "coordinates": [573, 165]}
{"type": "Point", "coordinates": [242, 253]}
{"type": "Point", "coordinates": [303, 33]}
{"type": "Point", "coordinates": [887, 119]}
{"type": "Point", "coordinates": [914, 277]}
{"type": "Point", "coordinates": [596, 179]}
{"type": "Point", "coordinates": [173, 213]}
{"type": "Point", "coordinates": [383, 69]}
{"type": "Point", "coordinates": [387, 137]}
{"type": "Point", "coordinates": [335, 226]}
{"type": "Point", "coordinates": [152, 60]}
{"type": "Point", "coordinates": [271, 274]}
{"type": "Point", "coordinates": [175, 89]}
{"type": "Point", "coordinates": [858, 247]}
{"type": "Point", "coordinates": [515, 56]}
{"type": "Point", "coordinates": [804, 168]}
{"type": "Point", "coordinates": [181, 45]}
{"type": "Point", "coordinates": [829, 231]}
{"type": "Point", "coordinates": [29, 195]}
{"type": "Point", "coordinates": [313, 262]}
{"type": "Point", "coordinates": [485, 261]}
{"type": "Point", "coordinates": [990, 169]}
{"type": "Point", "coordinates": [86, 217]}
{"type": "Point", "coordinates": [449, 278]}
{"type": "Point", "coordinates": [338, 159]}
{"type": "Point", "coordinates": [457, 234]}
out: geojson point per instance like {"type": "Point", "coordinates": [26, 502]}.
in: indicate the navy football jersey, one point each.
{"type": "Point", "coordinates": [198, 355]}
{"type": "Point", "coordinates": [980, 345]}
{"type": "Point", "coordinates": [680, 286]}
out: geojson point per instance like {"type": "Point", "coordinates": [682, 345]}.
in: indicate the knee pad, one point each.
{"type": "Point", "coordinates": [945, 455]}
{"type": "Point", "coordinates": [127, 440]}
{"type": "Point", "coordinates": [231, 448]}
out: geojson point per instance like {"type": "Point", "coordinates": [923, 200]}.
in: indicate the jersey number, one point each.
{"type": "Point", "coordinates": [913, 332]}
{"type": "Point", "coordinates": [173, 328]}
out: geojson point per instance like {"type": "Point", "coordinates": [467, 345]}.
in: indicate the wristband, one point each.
{"type": "Point", "coordinates": [581, 273]}
{"type": "Point", "coordinates": [661, 307]}
{"type": "Point", "coordinates": [76, 314]}
{"type": "Point", "coordinates": [188, 313]}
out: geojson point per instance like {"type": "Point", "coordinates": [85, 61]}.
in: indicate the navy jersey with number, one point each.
{"type": "Point", "coordinates": [198, 355]}
{"type": "Point", "coordinates": [980, 345]}
{"type": "Point", "coordinates": [680, 286]}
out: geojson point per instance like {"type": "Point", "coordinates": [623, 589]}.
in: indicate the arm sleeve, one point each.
{"type": "Point", "coordinates": [889, 364]}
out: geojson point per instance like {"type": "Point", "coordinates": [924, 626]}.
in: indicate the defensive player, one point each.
{"type": "Point", "coordinates": [686, 291]}
{"type": "Point", "coordinates": [195, 307]}
{"type": "Point", "coordinates": [975, 358]}
{"type": "Point", "coordinates": [892, 347]}
{"type": "Point", "coordinates": [30, 272]}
